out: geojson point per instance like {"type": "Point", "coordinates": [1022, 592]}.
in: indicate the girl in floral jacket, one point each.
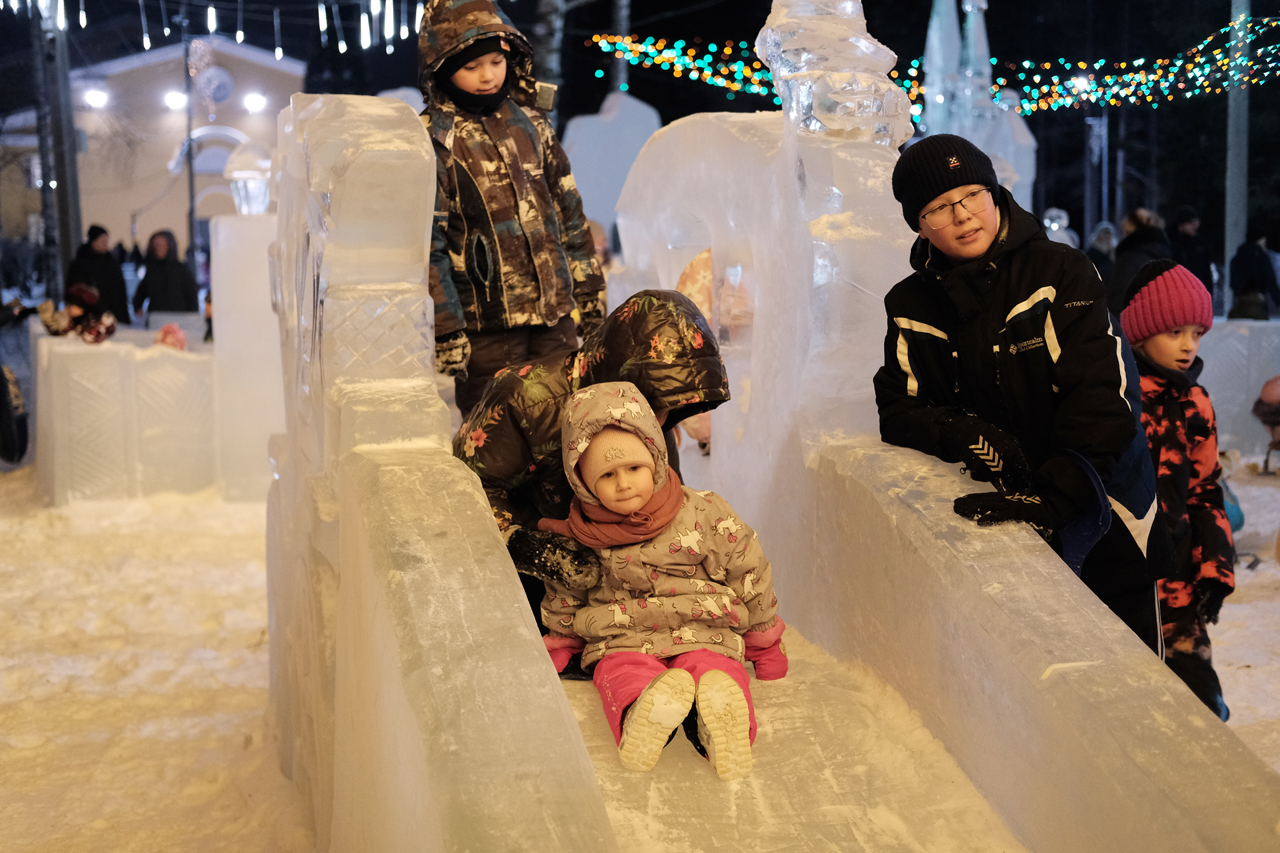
{"type": "Point", "coordinates": [1167, 310]}
{"type": "Point", "coordinates": [685, 595]}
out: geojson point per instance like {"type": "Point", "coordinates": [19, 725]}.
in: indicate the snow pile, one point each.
{"type": "Point", "coordinates": [133, 678]}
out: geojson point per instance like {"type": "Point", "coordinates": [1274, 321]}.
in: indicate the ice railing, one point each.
{"type": "Point", "coordinates": [1077, 735]}
{"type": "Point", "coordinates": [408, 680]}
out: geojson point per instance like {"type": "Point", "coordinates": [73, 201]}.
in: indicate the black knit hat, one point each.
{"type": "Point", "coordinates": [936, 165]}
{"type": "Point", "coordinates": [1150, 271]}
{"type": "Point", "coordinates": [478, 48]}
{"type": "Point", "coordinates": [95, 231]}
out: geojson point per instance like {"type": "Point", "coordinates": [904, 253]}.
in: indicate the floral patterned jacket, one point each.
{"type": "Point", "coordinates": [657, 339]}
{"type": "Point", "coordinates": [1183, 435]}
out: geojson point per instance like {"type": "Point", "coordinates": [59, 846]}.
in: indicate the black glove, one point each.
{"type": "Point", "coordinates": [590, 315]}
{"type": "Point", "coordinates": [551, 557]}
{"type": "Point", "coordinates": [453, 352]}
{"type": "Point", "coordinates": [991, 508]}
{"type": "Point", "coordinates": [990, 454]}
{"type": "Point", "coordinates": [1209, 596]}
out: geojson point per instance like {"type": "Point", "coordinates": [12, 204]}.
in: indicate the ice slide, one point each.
{"type": "Point", "coordinates": [953, 689]}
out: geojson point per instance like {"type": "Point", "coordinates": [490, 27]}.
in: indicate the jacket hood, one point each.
{"type": "Point", "coordinates": [1144, 238]}
{"type": "Point", "coordinates": [448, 26]}
{"type": "Point", "coordinates": [616, 404]}
{"type": "Point", "coordinates": [87, 252]}
{"type": "Point", "coordinates": [658, 340]}
{"type": "Point", "coordinates": [1017, 227]}
{"type": "Point", "coordinates": [171, 256]}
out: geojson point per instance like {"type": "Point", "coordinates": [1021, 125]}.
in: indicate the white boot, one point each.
{"type": "Point", "coordinates": [724, 724]}
{"type": "Point", "coordinates": [653, 717]}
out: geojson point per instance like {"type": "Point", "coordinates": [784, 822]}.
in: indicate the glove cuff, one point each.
{"type": "Point", "coordinates": [450, 337]}
{"type": "Point", "coordinates": [764, 639]}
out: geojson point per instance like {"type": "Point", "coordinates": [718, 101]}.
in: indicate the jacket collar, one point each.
{"type": "Point", "coordinates": [1177, 380]}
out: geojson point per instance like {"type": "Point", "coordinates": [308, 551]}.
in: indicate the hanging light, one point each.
{"type": "Point", "coordinates": [164, 17]}
{"type": "Point", "coordinates": [212, 19]}
{"type": "Point", "coordinates": [239, 21]}
{"type": "Point", "coordinates": [175, 100]}
{"type": "Point", "coordinates": [417, 18]}
{"type": "Point", "coordinates": [83, 19]}
{"type": "Point", "coordinates": [324, 25]}
{"type": "Point", "coordinates": [255, 102]}
{"type": "Point", "coordinates": [279, 47]}
{"type": "Point", "coordinates": [146, 36]}
{"type": "Point", "coordinates": [96, 98]}
{"type": "Point", "coordinates": [365, 39]}
{"type": "Point", "coordinates": [337, 26]}
{"type": "Point", "coordinates": [404, 19]}
{"type": "Point", "coordinates": [62, 14]}
{"type": "Point", "coordinates": [389, 26]}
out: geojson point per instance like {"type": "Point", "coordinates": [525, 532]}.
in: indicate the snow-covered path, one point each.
{"type": "Point", "coordinates": [1246, 640]}
{"type": "Point", "coordinates": [133, 678]}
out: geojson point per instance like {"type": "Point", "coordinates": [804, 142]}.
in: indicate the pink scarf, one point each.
{"type": "Point", "coordinates": [597, 527]}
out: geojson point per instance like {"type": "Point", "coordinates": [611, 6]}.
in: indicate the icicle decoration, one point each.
{"type": "Point", "coordinates": [417, 18]}
{"type": "Point", "coordinates": [279, 47]}
{"type": "Point", "coordinates": [164, 17]}
{"type": "Point", "coordinates": [62, 14]}
{"type": "Point", "coordinates": [83, 19]}
{"type": "Point", "coordinates": [146, 36]}
{"type": "Point", "coordinates": [212, 19]}
{"type": "Point", "coordinates": [239, 21]}
{"type": "Point", "coordinates": [337, 26]}
{"type": "Point", "coordinates": [389, 25]}
{"type": "Point", "coordinates": [324, 25]}
{"type": "Point", "coordinates": [404, 19]}
{"type": "Point", "coordinates": [365, 39]}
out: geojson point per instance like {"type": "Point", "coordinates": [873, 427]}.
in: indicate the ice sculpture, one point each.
{"type": "Point", "coordinates": [832, 75]}
{"type": "Point", "coordinates": [1033, 686]}
{"type": "Point", "coordinates": [412, 699]}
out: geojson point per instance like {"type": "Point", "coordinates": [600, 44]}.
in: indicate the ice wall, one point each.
{"type": "Point", "coordinates": [1075, 733]}
{"type": "Point", "coordinates": [411, 696]}
{"type": "Point", "coordinates": [1239, 356]}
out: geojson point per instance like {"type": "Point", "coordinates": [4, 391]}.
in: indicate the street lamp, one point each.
{"type": "Point", "coordinates": [96, 98]}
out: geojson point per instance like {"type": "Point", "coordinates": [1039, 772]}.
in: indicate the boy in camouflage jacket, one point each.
{"type": "Point", "coordinates": [685, 594]}
{"type": "Point", "coordinates": [511, 254]}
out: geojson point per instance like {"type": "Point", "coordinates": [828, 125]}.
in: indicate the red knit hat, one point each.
{"type": "Point", "coordinates": [1164, 296]}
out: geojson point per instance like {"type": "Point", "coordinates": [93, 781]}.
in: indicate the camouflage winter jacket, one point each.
{"type": "Point", "coordinates": [509, 245]}
{"type": "Point", "coordinates": [657, 339]}
{"type": "Point", "coordinates": [1182, 433]}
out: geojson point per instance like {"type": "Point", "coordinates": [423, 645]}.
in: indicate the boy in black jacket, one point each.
{"type": "Point", "coordinates": [1001, 354]}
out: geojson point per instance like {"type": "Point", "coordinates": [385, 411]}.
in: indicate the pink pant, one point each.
{"type": "Point", "coordinates": [622, 676]}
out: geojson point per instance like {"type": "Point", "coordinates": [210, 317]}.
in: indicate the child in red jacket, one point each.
{"type": "Point", "coordinates": [1167, 310]}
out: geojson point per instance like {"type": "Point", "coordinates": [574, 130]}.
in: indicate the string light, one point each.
{"type": "Point", "coordinates": [239, 21]}
{"type": "Point", "coordinates": [728, 66]}
{"type": "Point", "coordinates": [417, 18]}
{"type": "Point", "coordinates": [212, 19]}
{"type": "Point", "coordinates": [389, 26]}
{"type": "Point", "coordinates": [337, 27]}
{"type": "Point", "coordinates": [164, 18]}
{"type": "Point", "coordinates": [84, 20]}
{"type": "Point", "coordinates": [324, 26]}
{"type": "Point", "coordinates": [146, 36]}
{"type": "Point", "coordinates": [365, 39]}
{"type": "Point", "coordinates": [62, 15]}
{"type": "Point", "coordinates": [279, 49]}
{"type": "Point", "coordinates": [404, 19]}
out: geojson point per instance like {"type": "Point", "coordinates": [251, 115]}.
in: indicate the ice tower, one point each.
{"type": "Point", "coordinates": [957, 80]}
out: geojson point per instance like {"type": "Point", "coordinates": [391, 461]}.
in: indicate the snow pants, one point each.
{"type": "Point", "coordinates": [1187, 650]}
{"type": "Point", "coordinates": [621, 677]}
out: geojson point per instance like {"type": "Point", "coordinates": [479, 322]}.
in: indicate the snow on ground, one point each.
{"type": "Point", "coordinates": [133, 678]}
{"type": "Point", "coordinates": [1246, 640]}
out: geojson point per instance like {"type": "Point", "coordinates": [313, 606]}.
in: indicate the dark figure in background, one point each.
{"type": "Point", "coordinates": [167, 283]}
{"type": "Point", "coordinates": [1102, 247]}
{"type": "Point", "coordinates": [95, 266]}
{"type": "Point", "coordinates": [1143, 242]}
{"type": "Point", "coordinates": [1253, 278]}
{"type": "Point", "coordinates": [1188, 247]}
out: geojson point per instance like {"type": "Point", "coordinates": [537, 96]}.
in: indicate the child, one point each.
{"type": "Point", "coordinates": [1167, 310]}
{"type": "Point", "coordinates": [511, 253]}
{"type": "Point", "coordinates": [1000, 354]}
{"type": "Point", "coordinates": [685, 593]}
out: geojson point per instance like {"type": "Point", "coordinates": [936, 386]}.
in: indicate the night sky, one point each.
{"type": "Point", "coordinates": [1178, 152]}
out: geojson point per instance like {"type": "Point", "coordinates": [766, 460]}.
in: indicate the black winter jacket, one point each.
{"type": "Point", "coordinates": [100, 270]}
{"type": "Point", "coordinates": [1022, 339]}
{"type": "Point", "coordinates": [1135, 251]}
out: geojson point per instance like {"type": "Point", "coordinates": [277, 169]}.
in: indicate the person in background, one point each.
{"type": "Point", "coordinates": [167, 284]}
{"type": "Point", "coordinates": [1000, 354]}
{"type": "Point", "coordinates": [1167, 310]}
{"type": "Point", "coordinates": [1144, 241]}
{"type": "Point", "coordinates": [511, 255]}
{"type": "Point", "coordinates": [1102, 247]}
{"type": "Point", "coordinates": [94, 266]}
{"type": "Point", "coordinates": [1188, 248]}
{"type": "Point", "coordinates": [1253, 278]}
{"type": "Point", "coordinates": [664, 549]}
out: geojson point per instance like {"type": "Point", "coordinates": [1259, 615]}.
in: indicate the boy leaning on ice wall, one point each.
{"type": "Point", "coordinates": [511, 253]}
{"type": "Point", "coordinates": [1166, 312]}
{"type": "Point", "coordinates": [685, 592]}
{"type": "Point", "coordinates": [1000, 354]}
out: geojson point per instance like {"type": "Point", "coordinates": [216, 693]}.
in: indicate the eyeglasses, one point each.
{"type": "Point", "coordinates": [945, 214]}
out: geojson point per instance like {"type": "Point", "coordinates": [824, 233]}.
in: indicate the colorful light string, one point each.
{"type": "Point", "coordinates": [717, 66]}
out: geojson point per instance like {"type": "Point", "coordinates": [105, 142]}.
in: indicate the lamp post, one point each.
{"type": "Point", "coordinates": [184, 22]}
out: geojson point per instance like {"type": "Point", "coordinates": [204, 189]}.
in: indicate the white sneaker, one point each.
{"type": "Point", "coordinates": [653, 717]}
{"type": "Point", "coordinates": [724, 724]}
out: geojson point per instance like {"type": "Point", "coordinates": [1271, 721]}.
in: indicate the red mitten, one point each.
{"type": "Point", "coordinates": [765, 650]}
{"type": "Point", "coordinates": [562, 649]}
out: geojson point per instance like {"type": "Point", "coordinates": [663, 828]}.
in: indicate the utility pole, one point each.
{"type": "Point", "coordinates": [184, 21]}
{"type": "Point", "coordinates": [65, 148]}
{"type": "Point", "coordinates": [50, 265]}
{"type": "Point", "coordinates": [1237, 212]}
{"type": "Point", "coordinates": [621, 27]}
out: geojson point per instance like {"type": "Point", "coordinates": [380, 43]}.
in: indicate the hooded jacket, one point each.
{"type": "Point", "coordinates": [100, 270]}
{"type": "Point", "coordinates": [657, 339]}
{"type": "Point", "coordinates": [1183, 435]}
{"type": "Point", "coordinates": [1022, 339]}
{"type": "Point", "coordinates": [509, 245]}
{"type": "Point", "coordinates": [167, 282]}
{"type": "Point", "coordinates": [700, 583]}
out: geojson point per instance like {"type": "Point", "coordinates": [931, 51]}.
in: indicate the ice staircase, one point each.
{"type": "Point", "coordinates": [412, 702]}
